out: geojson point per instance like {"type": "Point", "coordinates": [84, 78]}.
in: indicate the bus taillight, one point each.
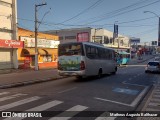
{"type": "Point", "coordinates": [59, 66]}
{"type": "Point", "coordinates": [82, 65]}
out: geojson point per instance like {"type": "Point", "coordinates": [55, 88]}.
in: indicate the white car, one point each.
{"type": "Point", "coordinates": [153, 66]}
{"type": "Point", "coordinates": [157, 59]}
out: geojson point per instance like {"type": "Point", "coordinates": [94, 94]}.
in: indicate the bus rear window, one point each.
{"type": "Point", "coordinates": [70, 49]}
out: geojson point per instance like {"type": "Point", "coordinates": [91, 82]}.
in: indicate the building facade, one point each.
{"type": "Point", "coordinates": [8, 34]}
{"type": "Point", "coordinates": [47, 49]}
{"type": "Point", "coordinates": [97, 35]}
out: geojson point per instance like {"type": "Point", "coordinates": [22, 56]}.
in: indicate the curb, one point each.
{"type": "Point", "coordinates": [18, 84]}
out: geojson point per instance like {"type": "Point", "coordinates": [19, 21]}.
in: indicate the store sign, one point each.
{"type": "Point", "coordinates": [11, 44]}
{"type": "Point", "coordinates": [42, 43]}
{"type": "Point", "coordinates": [83, 37]}
{"type": "Point", "coordinates": [154, 43]}
{"type": "Point", "coordinates": [135, 40]}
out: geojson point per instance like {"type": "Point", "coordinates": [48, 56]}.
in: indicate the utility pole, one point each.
{"type": "Point", "coordinates": [36, 31]}
{"type": "Point", "coordinates": [115, 33]}
{"type": "Point", "coordinates": [159, 32]}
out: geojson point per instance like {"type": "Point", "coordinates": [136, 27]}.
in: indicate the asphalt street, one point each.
{"type": "Point", "coordinates": [125, 91]}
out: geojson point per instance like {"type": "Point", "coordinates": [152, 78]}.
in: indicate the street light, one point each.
{"type": "Point", "coordinates": [158, 25]}
{"type": "Point", "coordinates": [36, 30]}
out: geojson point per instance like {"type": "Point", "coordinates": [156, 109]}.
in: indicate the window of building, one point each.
{"type": "Point", "coordinates": [106, 40]}
{"type": "Point", "coordinates": [61, 38]}
{"type": "Point", "coordinates": [70, 37]}
{"type": "Point", "coordinates": [97, 39]}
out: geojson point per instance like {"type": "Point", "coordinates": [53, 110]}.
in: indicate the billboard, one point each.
{"type": "Point", "coordinates": [154, 43]}
{"type": "Point", "coordinates": [83, 37]}
{"type": "Point", "coordinates": [43, 43]}
{"type": "Point", "coordinates": [135, 40]}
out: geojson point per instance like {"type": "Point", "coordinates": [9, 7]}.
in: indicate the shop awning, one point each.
{"type": "Point", "coordinates": [42, 52]}
{"type": "Point", "coordinates": [28, 51]}
{"type": "Point", "coordinates": [49, 51]}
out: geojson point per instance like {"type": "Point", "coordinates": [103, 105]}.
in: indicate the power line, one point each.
{"type": "Point", "coordinates": [144, 32]}
{"type": "Point", "coordinates": [119, 10]}
{"type": "Point", "coordinates": [84, 11]}
{"type": "Point", "coordinates": [139, 25]}
{"type": "Point", "coordinates": [72, 25]}
{"type": "Point", "coordinates": [132, 21]}
{"type": "Point", "coordinates": [123, 12]}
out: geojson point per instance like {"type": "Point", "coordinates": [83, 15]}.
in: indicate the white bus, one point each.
{"type": "Point", "coordinates": [84, 59]}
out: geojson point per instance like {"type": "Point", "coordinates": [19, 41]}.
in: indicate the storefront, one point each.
{"type": "Point", "coordinates": [8, 53]}
{"type": "Point", "coordinates": [47, 53]}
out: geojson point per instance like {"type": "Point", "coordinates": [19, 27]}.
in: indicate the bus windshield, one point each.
{"type": "Point", "coordinates": [70, 49]}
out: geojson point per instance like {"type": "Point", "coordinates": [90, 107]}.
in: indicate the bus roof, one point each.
{"type": "Point", "coordinates": [87, 43]}
{"type": "Point", "coordinates": [123, 52]}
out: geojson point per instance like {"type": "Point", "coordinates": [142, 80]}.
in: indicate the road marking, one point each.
{"type": "Point", "coordinates": [151, 109]}
{"type": "Point", "coordinates": [46, 106]}
{"type": "Point", "coordinates": [155, 100]}
{"type": "Point", "coordinates": [134, 84]}
{"type": "Point", "coordinates": [138, 98]}
{"type": "Point", "coordinates": [11, 97]}
{"type": "Point", "coordinates": [112, 101]}
{"type": "Point", "coordinates": [156, 92]}
{"type": "Point", "coordinates": [126, 91]}
{"type": "Point", "coordinates": [124, 82]}
{"type": "Point", "coordinates": [67, 90]}
{"type": "Point", "coordinates": [39, 108]}
{"type": "Point", "coordinates": [133, 104]}
{"type": "Point", "coordinates": [3, 93]}
{"type": "Point", "coordinates": [21, 102]}
{"type": "Point", "coordinates": [138, 74]}
{"type": "Point", "coordinates": [156, 96]}
{"type": "Point", "coordinates": [104, 117]}
{"type": "Point", "coordinates": [74, 110]}
{"type": "Point", "coordinates": [153, 104]}
{"type": "Point", "coordinates": [130, 79]}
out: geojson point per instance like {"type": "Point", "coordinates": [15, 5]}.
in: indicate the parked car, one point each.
{"type": "Point", "coordinates": [153, 66]}
{"type": "Point", "coordinates": [157, 59]}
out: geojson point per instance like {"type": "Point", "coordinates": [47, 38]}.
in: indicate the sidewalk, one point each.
{"type": "Point", "coordinates": [21, 77]}
{"type": "Point", "coordinates": [152, 105]}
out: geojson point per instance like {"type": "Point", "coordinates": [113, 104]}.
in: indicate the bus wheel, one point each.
{"type": "Point", "coordinates": [79, 77]}
{"type": "Point", "coordinates": [114, 71]}
{"type": "Point", "coordinates": [100, 73]}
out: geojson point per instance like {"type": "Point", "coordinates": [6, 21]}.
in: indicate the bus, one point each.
{"type": "Point", "coordinates": [83, 59]}
{"type": "Point", "coordinates": [123, 58]}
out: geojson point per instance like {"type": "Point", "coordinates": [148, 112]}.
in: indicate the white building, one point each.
{"type": "Point", "coordinates": [8, 34]}
{"type": "Point", "coordinates": [98, 35]}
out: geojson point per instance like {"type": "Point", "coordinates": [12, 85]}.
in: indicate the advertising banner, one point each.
{"type": "Point", "coordinates": [83, 37]}
{"type": "Point", "coordinates": [11, 44]}
{"type": "Point", "coordinates": [42, 43]}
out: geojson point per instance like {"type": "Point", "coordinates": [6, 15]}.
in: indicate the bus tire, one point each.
{"type": "Point", "coordinates": [99, 73]}
{"type": "Point", "coordinates": [114, 71]}
{"type": "Point", "coordinates": [79, 77]}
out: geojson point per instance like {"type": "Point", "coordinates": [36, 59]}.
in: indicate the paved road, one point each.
{"type": "Point", "coordinates": [121, 92]}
